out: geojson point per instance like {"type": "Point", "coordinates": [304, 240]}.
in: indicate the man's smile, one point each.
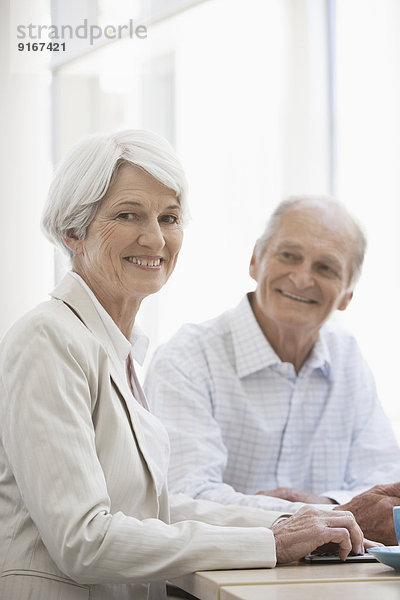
{"type": "Point", "coordinates": [295, 297]}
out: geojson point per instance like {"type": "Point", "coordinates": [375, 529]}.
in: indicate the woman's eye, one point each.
{"type": "Point", "coordinates": [127, 216]}
{"type": "Point", "coordinates": [287, 255]}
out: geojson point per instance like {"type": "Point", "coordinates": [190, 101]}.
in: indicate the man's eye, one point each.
{"type": "Point", "coordinates": [169, 219]}
{"type": "Point", "coordinates": [327, 269]}
{"type": "Point", "coordinates": [287, 255]}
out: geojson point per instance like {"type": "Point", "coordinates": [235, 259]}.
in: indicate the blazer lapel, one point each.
{"type": "Point", "coordinates": [71, 292]}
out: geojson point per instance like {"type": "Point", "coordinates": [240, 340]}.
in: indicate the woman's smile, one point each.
{"type": "Point", "coordinates": [145, 262]}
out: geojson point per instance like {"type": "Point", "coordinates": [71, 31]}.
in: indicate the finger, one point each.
{"type": "Point", "coordinates": [339, 512]}
{"type": "Point", "coordinates": [345, 519]}
{"type": "Point", "coordinates": [340, 536]}
{"type": "Point", "coordinates": [371, 544]}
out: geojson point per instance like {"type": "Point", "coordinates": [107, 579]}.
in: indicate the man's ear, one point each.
{"type": "Point", "coordinates": [73, 243]}
{"type": "Point", "coordinates": [345, 301]}
{"type": "Point", "coordinates": [253, 268]}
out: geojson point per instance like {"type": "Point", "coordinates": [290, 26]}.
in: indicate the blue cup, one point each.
{"type": "Point", "coordinates": [396, 519]}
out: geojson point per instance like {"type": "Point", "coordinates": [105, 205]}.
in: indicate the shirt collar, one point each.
{"type": "Point", "coordinates": [320, 357]}
{"type": "Point", "coordinates": [137, 345]}
{"type": "Point", "coordinates": [259, 354]}
{"type": "Point", "coordinates": [247, 334]}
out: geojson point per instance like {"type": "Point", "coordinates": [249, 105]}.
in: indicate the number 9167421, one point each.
{"type": "Point", "coordinates": [41, 46]}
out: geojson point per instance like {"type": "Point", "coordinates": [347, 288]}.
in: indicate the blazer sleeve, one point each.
{"type": "Point", "coordinates": [231, 515]}
{"type": "Point", "coordinates": [47, 394]}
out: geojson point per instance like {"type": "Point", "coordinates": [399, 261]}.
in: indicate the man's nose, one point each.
{"type": "Point", "coordinates": [152, 236]}
{"type": "Point", "coordinates": [302, 276]}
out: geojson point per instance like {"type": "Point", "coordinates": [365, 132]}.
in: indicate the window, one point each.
{"type": "Point", "coordinates": [261, 100]}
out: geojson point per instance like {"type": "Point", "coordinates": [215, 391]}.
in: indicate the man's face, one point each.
{"type": "Point", "coordinates": [303, 274]}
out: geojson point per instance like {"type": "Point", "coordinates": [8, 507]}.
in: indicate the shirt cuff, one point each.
{"type": "Point", "coordinates": [341, 496]}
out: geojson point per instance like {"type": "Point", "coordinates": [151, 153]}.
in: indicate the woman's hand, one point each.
{"type": "Point", "coordinates": [310, 528]}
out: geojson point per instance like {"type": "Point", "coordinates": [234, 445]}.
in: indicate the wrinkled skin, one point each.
{"type": "Point", "coordinates": [311, 528]}
{"type": "Point", "coordinates": [293, 495]}
{"type": "Point", "coordinates": [373, 511]}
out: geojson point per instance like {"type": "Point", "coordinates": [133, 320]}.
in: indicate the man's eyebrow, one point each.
{"type": "Point", "coordinates": [330, 259]}
{"type": "Point", "coordinates": [290, 245]}
{"type": "Point", "coordinates": [287, 245]}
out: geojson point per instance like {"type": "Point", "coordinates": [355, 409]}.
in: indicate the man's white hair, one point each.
{"type": "Point", "coordinates": [84, 176]}
{"type": "Point", "coordinates": [360, 239]}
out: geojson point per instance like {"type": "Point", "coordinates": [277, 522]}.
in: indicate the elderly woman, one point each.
{"type": "Point", "coordinates": [83, 503]}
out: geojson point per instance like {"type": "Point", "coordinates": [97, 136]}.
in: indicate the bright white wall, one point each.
{"type": "Point", "coordinates": [251, 124]}
{"type": "Point", "coordinates": [368, 129]}
{"type": "Point", "coordinates": [26, 265]}
{"type": "Point", "coordinates": [249, 117]}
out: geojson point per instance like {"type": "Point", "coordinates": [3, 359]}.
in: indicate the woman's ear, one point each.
{"type": "Point", "coordinates": [73, 243]}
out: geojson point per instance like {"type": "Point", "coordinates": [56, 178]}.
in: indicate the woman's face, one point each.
{"type": "Point", "coordinates": [132, 244]}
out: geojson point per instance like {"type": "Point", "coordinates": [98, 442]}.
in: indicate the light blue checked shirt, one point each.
{"type": "Point", "coordinates": [241, 421]}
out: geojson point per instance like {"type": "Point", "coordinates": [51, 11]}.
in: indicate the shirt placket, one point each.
{"type": "Point", "coordinates": [287, 466]}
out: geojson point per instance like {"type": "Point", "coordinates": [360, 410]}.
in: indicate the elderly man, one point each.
{"type": "Point", "coordinates": [270, 405]}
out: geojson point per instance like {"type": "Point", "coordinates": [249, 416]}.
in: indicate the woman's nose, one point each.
{"type": "Point", "coordinates": [152, 236]}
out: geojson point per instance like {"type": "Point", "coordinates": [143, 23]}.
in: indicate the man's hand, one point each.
{"type": "Point", "coordinates": [294, 495]}
{"type": "Point", "coordinates": [310, 528]}
{"type": "Point", "coordinates": [373, 511]}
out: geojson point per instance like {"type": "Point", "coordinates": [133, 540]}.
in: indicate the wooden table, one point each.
{"type": "Point", "coordinates": [344, 590]}
{"type": "Point", "coordinates": [358, 581]}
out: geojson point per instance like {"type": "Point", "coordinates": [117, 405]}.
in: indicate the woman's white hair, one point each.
{"type": "Point", "coordinates": [86, 173]}
{"type": "Point", "coordinates": [359, 238]}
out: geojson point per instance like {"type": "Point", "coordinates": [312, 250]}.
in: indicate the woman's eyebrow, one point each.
{"type": "Point", "coordinates": [140, 204]}
{"type": "Point", "coordinates": [130, 203]}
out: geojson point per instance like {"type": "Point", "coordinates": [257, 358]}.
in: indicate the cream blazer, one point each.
{"type": "Point", "coordinates": [79, 512]}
